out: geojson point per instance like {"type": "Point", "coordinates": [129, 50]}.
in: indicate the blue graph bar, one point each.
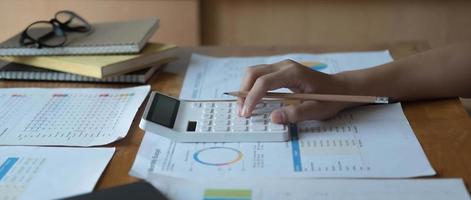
{"type": "Point", "coordinates": [6, 166]}
{"type": "Point", "coordinates": [319, 67]}
{"type": "Point", "coordinates": [295, 148]}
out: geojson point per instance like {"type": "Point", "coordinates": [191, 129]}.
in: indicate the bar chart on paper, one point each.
{"type": "Point", "coordinates": [307, 189]}
{"type": "Point", "coordinates": [79, 117]}
{"type": "Point", "coordinates": [319, 157]}
{"type": "Point", "coordinates": [354, 144]}
{"type": "Point", "coordinates": [341, 141]}
{"type": "Point", "coordinates": [18, 180]}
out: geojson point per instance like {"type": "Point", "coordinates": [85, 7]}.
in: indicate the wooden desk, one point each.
{"type": "Point", "coordinates": [442, 126]}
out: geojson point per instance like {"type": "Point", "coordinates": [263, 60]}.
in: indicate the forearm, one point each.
{"type": "Point", "coordinates": [438, 73]}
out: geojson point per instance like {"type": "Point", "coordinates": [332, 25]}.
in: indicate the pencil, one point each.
{"type": "Point", "coordinates": [321, 97]}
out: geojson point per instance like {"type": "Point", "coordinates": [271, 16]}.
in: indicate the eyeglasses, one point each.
{"type": "Point", "coordinates": [52, 33]}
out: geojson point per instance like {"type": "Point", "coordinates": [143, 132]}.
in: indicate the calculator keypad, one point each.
{"type": "Point", "coordinates": [221, 117]}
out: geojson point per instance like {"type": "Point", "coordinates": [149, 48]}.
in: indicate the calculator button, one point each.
{"type": "Point", "coordinates": [239, 128]}
{"type": "Point", "coordinates": [262, 111]}
{"type": "Point", "coordinates": [235, 116]}
{"type": "Point", "coordinates": [258, 118]}
{"type": "Point", "coordinates": [204, 128]}
{"type": "Point", "coordinates": [221, 122]}
{"type": "Point", "coordinates": [258, 128]}
{"type": "Point", "coordinates": [220, 128]}
{"type": "Point", "coordinates": [222, 110]}
{"type": "Point", "coordinates": [207, 110]}
{"type": "Point", "coordinates": [223, 104]}
{"type": "Point", "coordinates": [207, 116]}
{"type": "Point", "coordinates": [208, 104]}
{"type": "Point", "coordinates": [276, 127]}
{"type": "Point", "coordinates": [196, 105]}
{"type": "Point", "coordinates": [205, 122]}
{"type": "Point", "coordinates": [221, 116]}
{"type": "Point", "coordinates": [240, 121]}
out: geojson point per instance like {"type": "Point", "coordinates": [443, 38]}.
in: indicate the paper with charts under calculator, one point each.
{"type": "Point", "coordinates": [67, 116]}
{"type": "Point", "coordinates": [371, 141]}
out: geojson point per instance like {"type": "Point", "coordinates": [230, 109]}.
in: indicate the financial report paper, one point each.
{"type": "Point", "coordinates": [67, 116]}
{"type": "Point", "coordinates": [207, 78]}
{"type": "Point", "coordinates": [50, 172]}
{"type": "Point", "coordinates": [370, 141]}
{"type": "Point", "coordinates": [306, 189]}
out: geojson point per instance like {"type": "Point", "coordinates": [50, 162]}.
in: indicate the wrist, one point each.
{"type": "Point", "coordinates": [343, 83]}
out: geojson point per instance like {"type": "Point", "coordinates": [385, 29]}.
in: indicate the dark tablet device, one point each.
{"type": "Point", "coordinates": [140, 190]}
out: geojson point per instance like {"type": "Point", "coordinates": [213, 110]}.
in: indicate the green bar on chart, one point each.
{"type": "Point", "coordinates": [227, 194]}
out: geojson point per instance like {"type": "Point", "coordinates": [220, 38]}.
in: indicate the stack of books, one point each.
{"type": "Point", "coordinates": [116, 52]}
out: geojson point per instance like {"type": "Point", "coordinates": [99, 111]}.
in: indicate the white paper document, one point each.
{"type": "Point", "coordinates": [207, 78]}
{"type": "Point", "coordinates": [370, 141]}
{"type": "Point", "coordinates": [67, 116]}
{"type": "Point", "coordinates": [307, 189]}
{"type": "Point", "coordinates": [50, 172]}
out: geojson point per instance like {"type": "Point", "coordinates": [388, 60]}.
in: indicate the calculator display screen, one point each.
{"type": "Point", "coordinates": [163, 110]}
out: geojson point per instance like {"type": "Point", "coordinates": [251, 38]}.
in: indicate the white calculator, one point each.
{"type": "Point", "coordinates": [210, 121]}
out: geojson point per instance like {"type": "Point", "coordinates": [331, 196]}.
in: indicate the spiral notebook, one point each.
{"type": "Point", "coordinates": [15, 71]}
{"type": "Point", "coordinates": [106, 38]}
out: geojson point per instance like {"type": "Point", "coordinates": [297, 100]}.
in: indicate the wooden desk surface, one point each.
{"type": "Point", "coordinates": [442, 126]}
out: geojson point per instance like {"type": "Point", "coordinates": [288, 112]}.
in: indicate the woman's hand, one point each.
{"type": "Point", "coordinates": [298, 78]}
{"type": "Point", "coordinates": [438, 73]}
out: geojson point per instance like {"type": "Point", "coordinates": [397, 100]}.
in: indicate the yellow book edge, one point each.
{"type": "Point", "coordinates": [147, 65]}
{"type": "Point", "coordinates": [57, 65]}
{"type": "Point", "coordinates": [48, 62]}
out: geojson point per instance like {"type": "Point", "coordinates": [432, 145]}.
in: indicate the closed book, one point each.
{"type": "Point", "coordinates": [15, 71]}
{"type": "Point", "coordinates": [101, 66]}
{"type": "Point", "coordinates": [105, 38]}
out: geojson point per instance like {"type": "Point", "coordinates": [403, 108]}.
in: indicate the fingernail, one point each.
{"type": "Point", "coordinates": [245, 111]}
{"type": "Point", "coordinates": [278, 116]}
{"type": "Point", "coordinates": [239, 111]}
